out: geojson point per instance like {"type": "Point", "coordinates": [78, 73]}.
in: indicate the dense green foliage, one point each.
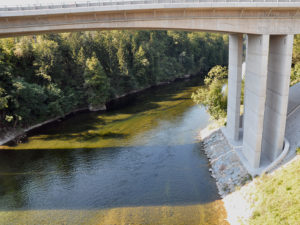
{"type": "Point", "coordinates": [96, 82]}
{"type": "Point", "coordinates": [295, 73]}
{"type": "Point", "coordinates": [213, 96]}
{"type": "Point", "coordinates": [45, 76]}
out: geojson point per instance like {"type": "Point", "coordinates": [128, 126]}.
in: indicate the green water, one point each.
{"type": "Point", "coordinates": [139, 164]}
{"type": "Point", "coordinates": [118, 127]}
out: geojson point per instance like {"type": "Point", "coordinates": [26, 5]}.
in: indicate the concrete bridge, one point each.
{"type": "Point", "coordinates": [269, 25]}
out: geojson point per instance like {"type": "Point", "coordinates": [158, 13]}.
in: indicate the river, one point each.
{"type": "Point", "coordinates": [139, 164]}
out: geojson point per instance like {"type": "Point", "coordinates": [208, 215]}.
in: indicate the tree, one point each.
{"type": "Point", "coordinates": [140, 66]}
{"type": "Point", "coordinates": [295, 74]}
{"type": "Point", "coordinates": [45, 76]}
{"type": "Point", "coordinates": [216, 73]}
{"type": "Point", "coordinates": [96, 82]}
{"type": "Point", "coordinates": [212, 96]}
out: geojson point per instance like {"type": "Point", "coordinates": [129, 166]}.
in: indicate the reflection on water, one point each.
{"type": "Point", "coordinates": [136, 165]}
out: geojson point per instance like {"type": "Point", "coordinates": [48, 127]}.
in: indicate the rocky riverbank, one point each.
{"type": "Point", "coordinates": [231, 176]}
{"type": "Point", "coordinates": [235, 185]}
{"type": "Point", "coordinates": [226, 167]}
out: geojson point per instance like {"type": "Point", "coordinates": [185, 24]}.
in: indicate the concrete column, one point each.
{"type": "Point", "coordinates": [234, 85]}
{"type": "Point", "coordinates": [255, 96]}
{"type": "Point", "coordinates": [279, 70]}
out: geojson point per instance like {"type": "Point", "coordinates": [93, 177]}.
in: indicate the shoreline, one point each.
{"type": "Point", "coordinates": [17, 134]}
{"type": "Point", "coordinates": [14, 134]}
{"type": "Point", "coordinates": [226, 167]}
{"type": "Point", "coordinates": [236, 187]}
{"type": "Point", "coordinates": [232, 179]}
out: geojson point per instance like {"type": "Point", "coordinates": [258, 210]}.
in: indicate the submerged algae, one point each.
{"type": "Point", "coordinates": [117, 127]}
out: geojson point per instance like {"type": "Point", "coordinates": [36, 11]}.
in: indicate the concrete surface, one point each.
{"type": "Point", "coordinates": [231, 17]}
{"type": "Point", "coordinates": [255, 96]}
{"type": "Point", "coordinates": [292, 131]}
{"type": "Point", "coordinates": [234, 85]}
{"type": "Point", "coordinates": [292, 134]}
{"type": "Point", "coordinates": [279, 70]}
{"type": "Point", "coordinates": [268, 60]}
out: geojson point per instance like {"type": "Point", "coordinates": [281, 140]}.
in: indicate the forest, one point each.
{"type": "Point", "coordinates": [45, 76]}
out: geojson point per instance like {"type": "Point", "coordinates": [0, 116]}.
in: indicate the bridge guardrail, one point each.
{"type": "Point", "coordinates": [98, 3]}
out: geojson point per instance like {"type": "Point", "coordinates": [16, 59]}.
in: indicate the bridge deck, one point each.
{"type": "Point", "coordinates": [91, 5]}
{"type": "Point", "coordinates": [231, 16]}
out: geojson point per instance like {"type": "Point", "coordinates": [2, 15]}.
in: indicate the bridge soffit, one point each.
{"type": "Point", "coordinates": [260, 20]}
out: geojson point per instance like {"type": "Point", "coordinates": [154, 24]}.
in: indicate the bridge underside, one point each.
{"type": "Point", "coordinates": [255, 20]}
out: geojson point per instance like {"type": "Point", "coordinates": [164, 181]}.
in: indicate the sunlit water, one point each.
{"type": "Point", "coordinates": [137, 165]}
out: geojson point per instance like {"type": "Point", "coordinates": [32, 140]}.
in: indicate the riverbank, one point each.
{"type": "Point", "coordinates": [226, 167]}
{"type": "Point", "coordinates": [247, 200]}
{"type": "Point", "coordinates": [229, 173]}
{"type": "Point", "coordinates": [18, 135]}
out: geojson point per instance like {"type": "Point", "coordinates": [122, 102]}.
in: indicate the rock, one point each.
{"type": "Point", "coordinates": [97, 108]}
{"type": "Point", "coordinates": [226, 167]}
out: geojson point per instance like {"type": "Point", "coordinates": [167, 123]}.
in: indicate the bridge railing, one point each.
{"type": "Point", "coordinates": [97, 3]}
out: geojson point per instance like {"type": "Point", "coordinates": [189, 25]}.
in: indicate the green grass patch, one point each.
{"type": "Point", "coordinates": [298, 150]}
{"type": "Point", "coordinates": [277, 197]}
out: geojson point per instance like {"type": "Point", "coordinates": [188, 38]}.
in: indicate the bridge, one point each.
{"type": "Point", "coordinates": [269, 26]}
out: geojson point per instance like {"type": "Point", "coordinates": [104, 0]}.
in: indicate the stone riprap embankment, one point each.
{"type": "Point", "coordinates": [226, 167]}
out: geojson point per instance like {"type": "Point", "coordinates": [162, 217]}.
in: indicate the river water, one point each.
{"type": "Point", "coordinates": [139, 164]}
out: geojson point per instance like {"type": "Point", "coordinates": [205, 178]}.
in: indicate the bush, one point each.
{"type": "Point", "coordinates": [213, 96]}
{"type": "Point", "coordinates": [295, 74]}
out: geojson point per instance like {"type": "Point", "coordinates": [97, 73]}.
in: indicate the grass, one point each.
{"type": "Point", "coordinates": [277, 197]}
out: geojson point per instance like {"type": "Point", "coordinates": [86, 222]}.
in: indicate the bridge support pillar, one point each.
{"type": "Point", "coordinates": [279, 69]}
{"type": "Point", "coordinates": [255, 96]}
{"type": "Point", "coordinates": [234, 85]}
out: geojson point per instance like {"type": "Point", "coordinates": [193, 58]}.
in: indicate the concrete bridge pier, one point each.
{"type": "Point", "coordinates": [268, 66]}
{"type": "Point", "coordinates": [255, 97]}
{"type": "Point", "coordinates": [234, 85]}
{"type": "Point", "coordinates": [279, 70]}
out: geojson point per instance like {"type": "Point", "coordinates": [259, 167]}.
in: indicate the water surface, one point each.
{"type": "Point", "coordinates": [140, 164]}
